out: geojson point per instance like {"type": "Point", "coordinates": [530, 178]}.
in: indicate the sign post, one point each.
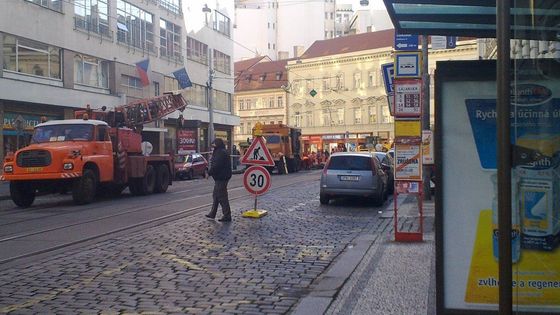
{"type": "Point", "coordinates": [256, 178]}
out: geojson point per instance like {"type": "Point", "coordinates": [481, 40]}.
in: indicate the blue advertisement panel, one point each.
{"type": "Point", "coordinates": [468, 210]}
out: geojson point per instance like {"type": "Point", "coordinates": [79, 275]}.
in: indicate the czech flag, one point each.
{"type": "Point", "coordinates": [142, 68]}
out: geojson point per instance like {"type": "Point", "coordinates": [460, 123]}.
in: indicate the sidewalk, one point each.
{"type": "Point", "coordinates": [377, 275]}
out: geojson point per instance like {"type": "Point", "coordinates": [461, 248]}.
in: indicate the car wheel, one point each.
{"type": "Point", "coordinates": [324, 199]}
{"type": "Point", "coordinates": [190, 174]}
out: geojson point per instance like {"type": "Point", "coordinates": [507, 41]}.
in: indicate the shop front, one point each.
{"type": "Point", "coordinates": [341, 142]}
{"type": "Point", "coordinates": [193, 136]}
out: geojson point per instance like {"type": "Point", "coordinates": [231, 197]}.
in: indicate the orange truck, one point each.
{"type": "Point", "coordinates": [284, 145]}
{"type": "Point", "coordinates": [98, 152]}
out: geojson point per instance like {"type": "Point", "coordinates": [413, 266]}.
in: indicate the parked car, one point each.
{"type": "Point", "coordinates": [353, 174]}
{"type": "Point", "coordinates": [388, 165]}
{"type": "Point", "coordinates": [190, 165]}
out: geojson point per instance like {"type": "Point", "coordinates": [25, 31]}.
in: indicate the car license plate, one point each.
{"type": "Point", "coordinates": [33, 169]}
{"type": "Point", "coordinates": [349, 178]}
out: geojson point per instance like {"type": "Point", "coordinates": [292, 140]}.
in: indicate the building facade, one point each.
{"type": "Point", "coordinates": [260, 95]}
{"type": "Point", "coordinates": [337, 94]}
{"type": "Point", "coordinates": [74, 53]}
{"type": "Point", "coordinates": [280, 24]}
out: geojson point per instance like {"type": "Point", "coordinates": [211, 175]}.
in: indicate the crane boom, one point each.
{"type": "Point", "coordinates": [138, 112]}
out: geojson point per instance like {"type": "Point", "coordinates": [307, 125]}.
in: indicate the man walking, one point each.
{"type": "Point", "coordinates": [220, 170]}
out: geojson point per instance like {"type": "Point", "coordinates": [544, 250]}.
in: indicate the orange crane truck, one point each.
{"type": "Point", "coordinates": [99, 151]}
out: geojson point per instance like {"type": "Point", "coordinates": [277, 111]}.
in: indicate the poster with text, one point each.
{"type": "Point", "coordinates": [468, 151]}
{"type": "Point", "coordinates": [408, 162]}
{"type": "Point", "coordinates": [186, 141]}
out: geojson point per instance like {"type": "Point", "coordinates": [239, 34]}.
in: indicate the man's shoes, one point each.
{"type": "Point", "coordinates": [209, 217]}
{"type": "Point", "coordinates": [224, 219]}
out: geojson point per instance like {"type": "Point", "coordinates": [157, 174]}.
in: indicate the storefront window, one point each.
{"type": "Point", "coordinates": [31, 57]}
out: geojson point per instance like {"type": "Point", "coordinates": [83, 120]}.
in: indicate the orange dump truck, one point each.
{"type": "Point", "coordinates": [284, 143]}
{"type": "Point", "coordinates": [91, 156]}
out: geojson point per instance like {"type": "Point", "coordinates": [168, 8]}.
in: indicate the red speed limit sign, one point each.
{"type": "Point", "coordinates": [256, 180]}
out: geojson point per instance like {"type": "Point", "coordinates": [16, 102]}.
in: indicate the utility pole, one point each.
{"type": "Point", "coordinates": [426, 169]}
{"type": "Point", "coordinates": [210, 105]}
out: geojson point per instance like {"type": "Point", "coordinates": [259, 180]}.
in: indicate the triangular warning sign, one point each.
{"type": "Point", "coordinates": [257, 154]}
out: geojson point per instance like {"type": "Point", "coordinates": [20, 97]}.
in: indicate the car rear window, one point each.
{"type": "Point", "coordinates": [350, 163]}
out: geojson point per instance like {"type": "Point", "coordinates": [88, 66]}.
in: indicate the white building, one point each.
{"type": "Point", "coordinates": [275, 27]}
{"type": "Point", "coordinates": [60, 55]}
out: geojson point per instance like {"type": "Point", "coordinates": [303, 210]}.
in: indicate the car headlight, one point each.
{"type": "Point", "coordinates": [8, 169]}
{"type": "Point", "coordinates": [68, 166]}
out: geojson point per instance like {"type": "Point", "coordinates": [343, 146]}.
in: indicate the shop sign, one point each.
{"type": "Point", "coordinates": [304, 138]}
{"type": "Point", "coordinates": [29, 121]}
{"type": "Point", "coordinates": [315, 138]}
{"type": "Point", "coordinates": [408, 162]}
{"type": "Point", "coordinates": [186, 141]}
{"type": "Point", "coordinates": [332, 137]}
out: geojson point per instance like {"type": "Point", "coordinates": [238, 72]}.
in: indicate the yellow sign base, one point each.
{"type": "Point", "coordinates": [254, 213]}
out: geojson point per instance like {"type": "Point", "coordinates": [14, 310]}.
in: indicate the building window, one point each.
{"type": "Point", "coordinates": [241, 129]}
{"type": "Point", "coordinates": [326, 85]}
{"type": "Point", "coordinates": [92, 16]}
{"type": "Point", "coordinates": [222, 62]}
{"type": "Point", "coordinates": [339, 81]}
{"type": "Point", "coordinates": [326, 117]}
{"type": "Point", "coordinates": [196, 95]}
{"type": "Point", "coordinates": [340, 116]}
{"type": "Point", "coordinates": [372, 79]}
{"type": "Point", "coordinates": [222, 23]}
{"type": "Point", "coordinates": [135, 26]}
{"type": "Point", "coordinates": [280, 101]}
{"type": "Point", "coordinates": [326, 15]}
{"type": "Point", "coordinates": [357, 116]}
{"type": "Point", "coordinates": [326, 34]}
{"type": "Point", "coordinates": [169, 39]}
{"type": "Point", "coordinates": [271, 102]}
{"type": "Point", "coordinates": [241, 104]}
{"type": "Point", "coordinates": [221, 100]}
{"type": "Point", "coordinates": [280, 122]}
{"type": "Point", "coordinates": [372, 114]}
{"type": "Point", "coordinates": [386, 114]}
{"type": "Point", "coordinates": [156, 88]}
{"type": "Point", "coordinates": [131, 82]}
{"type": "Point", "coordinates": [357, 80]}
{"type": "Point", "coordinates": [197, 51]}
{"type": "Point", "coordinates": [31, 57]}
{"type": "Point", "coordinates": [173, 6]}
{"type": "Point", "coordinates": [308, 119]}
{"type": "Point", "coordinates": [91, 71]}
{"type": "Point", "coordinates": [297, 117]}
{"type": "Point", "coordinates": [51, 4]}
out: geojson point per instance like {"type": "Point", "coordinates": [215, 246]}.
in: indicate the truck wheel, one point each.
{"type": "Point", "coordinates": [148, 182]}
{"type": "Point", "coordinates": [134, 186]}
{"type": "Point", "coordinates": [83, 189]}
{"type": "Point", "coordinates": [22, 193]}
{"type": "Point", "coordinates": [162, 179]}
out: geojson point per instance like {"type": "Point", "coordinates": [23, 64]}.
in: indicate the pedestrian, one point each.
{"type": "Point", "coordinates": [220, 170]}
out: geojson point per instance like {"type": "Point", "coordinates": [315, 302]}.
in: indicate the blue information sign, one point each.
{"type": "Point", "coordinates": [388, 70]}
{"type": "Point", "coordinates": [451, 42]}
{"type": "Point", "coordinates": [406, 42]}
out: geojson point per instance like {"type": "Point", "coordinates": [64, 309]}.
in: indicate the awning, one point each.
{"type": "Point", "coordinates": [530, 19]}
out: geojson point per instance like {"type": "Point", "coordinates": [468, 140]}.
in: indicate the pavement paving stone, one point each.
{"type": "Point", "coordinates": [203, 266]}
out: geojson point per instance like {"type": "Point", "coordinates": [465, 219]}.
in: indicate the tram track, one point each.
{"type": "Point", "coordinates": [152, 222]}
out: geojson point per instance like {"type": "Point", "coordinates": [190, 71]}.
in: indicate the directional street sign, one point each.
{"type": "Point", "coordinates": [406, 42]}
{"type": "Point", "coordinates": [256, 180]}
{"type": "Point", "coordinates": [388, 70]}
{"type": "Point", "coordinates": [257, 154]}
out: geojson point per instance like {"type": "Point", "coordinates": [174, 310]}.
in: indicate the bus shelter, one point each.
{"type": "Point", "coordinates": [497, 155]}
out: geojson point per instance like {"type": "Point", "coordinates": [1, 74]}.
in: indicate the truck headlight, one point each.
{"type": "Point", "coordinates": [68, 166]}
{"type": "Point", "coordinates": [8, 169]}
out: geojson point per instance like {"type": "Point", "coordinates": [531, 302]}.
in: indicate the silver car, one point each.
{"type": "Point", "coordinates": [353, 174]}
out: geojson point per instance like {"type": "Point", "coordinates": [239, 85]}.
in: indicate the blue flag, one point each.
{"type": "Point", "coordinates": [183, 78]}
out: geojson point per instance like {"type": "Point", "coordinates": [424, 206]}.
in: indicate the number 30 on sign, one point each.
{"type": "Point", "coordinates": [256, 180]}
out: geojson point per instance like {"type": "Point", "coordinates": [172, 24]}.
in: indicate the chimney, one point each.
{"type": "Point", "coordinates": [283, 55]}
{"type": "Point", "coordinates": [298, 51]}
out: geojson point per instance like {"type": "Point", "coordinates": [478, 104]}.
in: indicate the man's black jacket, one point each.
{"type": "Point", "coordinates": [220, 165]}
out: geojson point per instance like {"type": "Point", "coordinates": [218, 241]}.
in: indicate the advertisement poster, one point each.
{"type": "Point", "coordinates": [470, 246]}
{"type": "Point", "coordinates": [408, 162]}
{"type": "Point", "coordinates": [427, 147]}
{"type": "Point", "coordinates": [408, 98]}
{"type": "Point", "coordinates": [186, 141]}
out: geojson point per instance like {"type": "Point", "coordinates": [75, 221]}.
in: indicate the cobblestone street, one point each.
{"type": "Point", "coordinates": [198, 266]}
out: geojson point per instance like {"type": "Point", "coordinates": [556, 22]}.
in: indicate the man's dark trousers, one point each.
{"type": "Point", "coordinates": [220, 196]}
